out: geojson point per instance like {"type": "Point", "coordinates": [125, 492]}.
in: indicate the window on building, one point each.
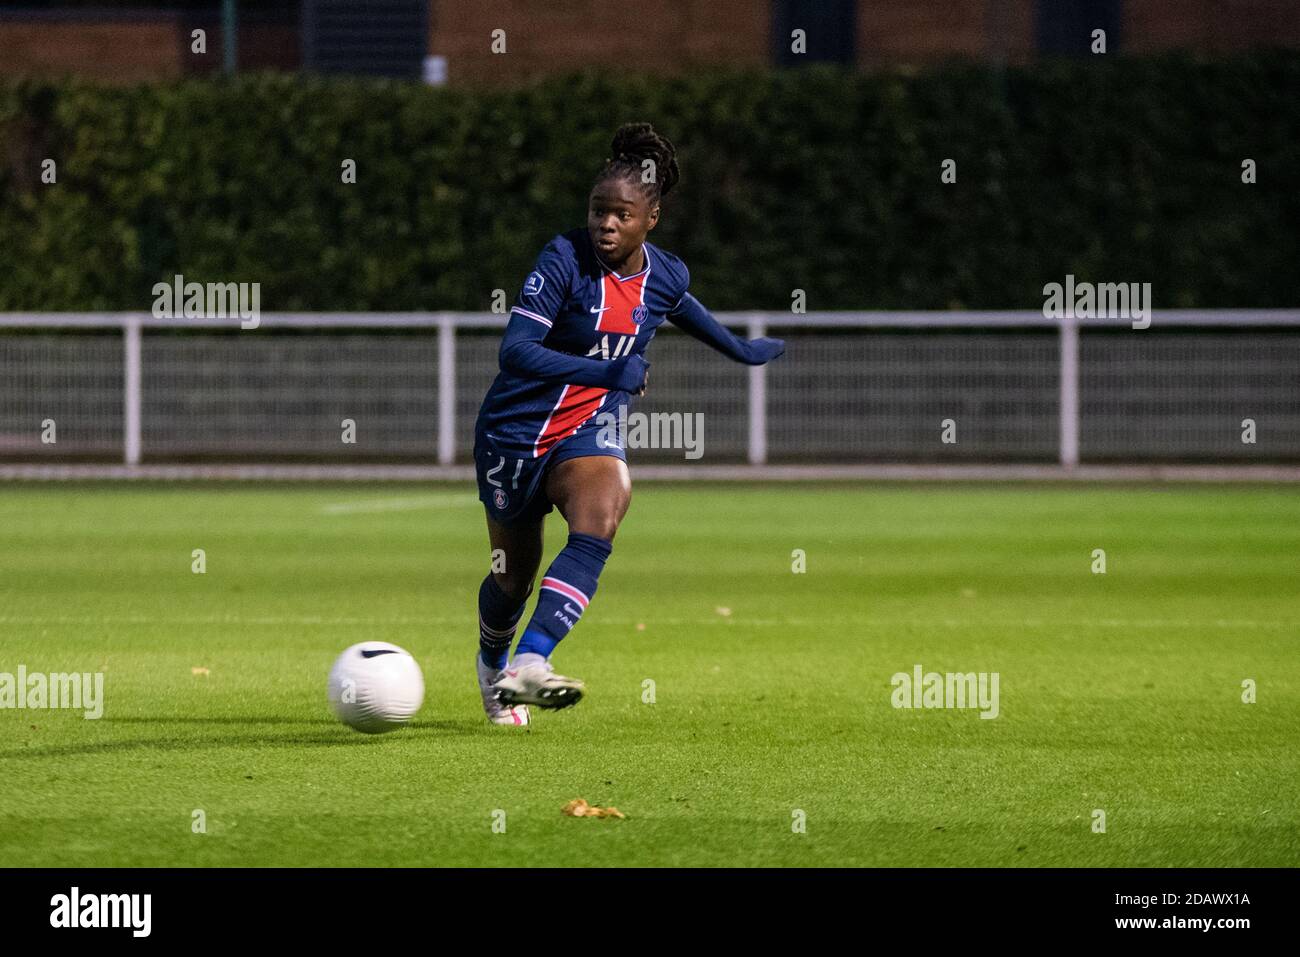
{"type": "Point", "coordinates": [1064, 27]}
{"type": "Point", "coordinates": [375, 37]}
{"type": "Point", "coordinates": [829, 26]}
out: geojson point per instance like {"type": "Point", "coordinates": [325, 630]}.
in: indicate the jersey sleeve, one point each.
{"type": "Point", "coordinates": [690, 316]}
{"type": "Point", "coordinates": [547, 286]}
{"type": "Point", "coordinates": [522, 354]}
{"type": "Point", "coordinates": [685, 285]}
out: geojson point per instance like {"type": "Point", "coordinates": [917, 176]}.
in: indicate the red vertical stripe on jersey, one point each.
{"type": "Point", "coordinates": [620, 299]}
{"type": "Point", "coordinates": [577, 404]}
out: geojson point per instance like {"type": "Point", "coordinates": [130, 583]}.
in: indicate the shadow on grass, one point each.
{"type": "Point", "coordinates": [331, 734]}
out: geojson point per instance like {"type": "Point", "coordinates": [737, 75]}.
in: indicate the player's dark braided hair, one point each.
{"type": "Point", "coordinates": [633, 144]}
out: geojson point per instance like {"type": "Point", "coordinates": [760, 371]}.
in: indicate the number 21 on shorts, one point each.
{"type": "Point", "coordinates": [514, 480]}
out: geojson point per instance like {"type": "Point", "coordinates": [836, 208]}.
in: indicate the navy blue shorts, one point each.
{"type": "Point", "coordinates": [514, 489]}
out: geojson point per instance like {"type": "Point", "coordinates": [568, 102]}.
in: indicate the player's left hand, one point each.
{"type": "Point", "coordinates": [762, 351]}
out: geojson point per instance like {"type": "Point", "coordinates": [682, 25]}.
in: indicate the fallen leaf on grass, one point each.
{"type": "Point", "coordinates": [580, 808]}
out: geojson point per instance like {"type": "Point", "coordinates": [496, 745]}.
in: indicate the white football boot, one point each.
{"type": "Point", "coordinates": [537, 683]}
{"type": "Point", "coordinates": [497, 711]}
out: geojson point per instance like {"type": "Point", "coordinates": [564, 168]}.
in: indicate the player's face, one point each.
{"type": "Point", "coordinates": [618, 218]}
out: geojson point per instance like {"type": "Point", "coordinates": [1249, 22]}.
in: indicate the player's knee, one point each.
{"type": "Point", "coordinates": [602, 523]}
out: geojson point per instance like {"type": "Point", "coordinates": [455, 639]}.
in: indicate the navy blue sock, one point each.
{"type": "Point", "coordinates": [569, 584]}
{"type": "Point", "coordinates": [498, 615]}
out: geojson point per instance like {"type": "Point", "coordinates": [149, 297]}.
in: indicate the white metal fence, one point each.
{"type": "Point", "coordinates": [853, 387]}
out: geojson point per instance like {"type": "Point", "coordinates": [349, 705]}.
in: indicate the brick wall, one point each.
{"type": "Point", "coordinates": [119, 51]}
{"type": "Point", "coordinates": [905, 31]}
{"type": "Point", "coordinates": [652, 37]}
{"type": "Point", "coordinates": [621, 36]}
{"type": "Point", "coordinates": [119, 47]}
{"type": "Point", "coordinates": [1215, 26]}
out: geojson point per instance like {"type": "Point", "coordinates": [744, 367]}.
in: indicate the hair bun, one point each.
{"type": "Point", "coordinates": [634, 143]}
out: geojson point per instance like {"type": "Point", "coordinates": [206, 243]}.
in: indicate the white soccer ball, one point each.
{"type": "Point", "coordinates": [375, 687]}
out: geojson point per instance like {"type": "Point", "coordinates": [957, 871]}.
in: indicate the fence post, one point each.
{"type": "Point", "coordinates": [757, 399]}
{"type": "Point", "coordinates": [230, 35]}
{"type": "Point", "coordinates": [446, 391]}
{"type": "Point", "coordinates": [131, 389]}
{"type": "Point", "coordinates": [1069, 393]}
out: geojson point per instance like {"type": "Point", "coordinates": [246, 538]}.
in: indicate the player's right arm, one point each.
{"type": "Point", "coordinates": [522, 353]}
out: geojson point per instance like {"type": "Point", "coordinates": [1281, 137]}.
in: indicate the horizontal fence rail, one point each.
{"type": "Point", "coordinates": [998, 386]}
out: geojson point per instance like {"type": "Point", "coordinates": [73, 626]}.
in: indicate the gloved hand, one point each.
{"type": "Point", "coordinates": [630, 374]}
{"type": "Point", "coordinates": [762, 351]}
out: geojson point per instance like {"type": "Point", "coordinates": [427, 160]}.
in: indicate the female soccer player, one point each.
{"type": "Point", "coordinates": [571, 355]}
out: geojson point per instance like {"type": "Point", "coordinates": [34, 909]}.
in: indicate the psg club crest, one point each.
{"type": "Point", "coordinates": [500, 499]}
{"type": "Point", "coordinates": [639, 314]}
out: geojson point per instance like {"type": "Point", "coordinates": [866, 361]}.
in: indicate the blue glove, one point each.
{"type": "Point", "coordinates": [762, 351]}
{"type": "Point", "coordinates": [629, 373]}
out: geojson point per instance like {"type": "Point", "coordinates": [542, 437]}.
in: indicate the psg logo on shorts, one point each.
{"type": "Point", "coordinates": [639, 314]}
{"type": "Point", "coordinates": [500, 499]}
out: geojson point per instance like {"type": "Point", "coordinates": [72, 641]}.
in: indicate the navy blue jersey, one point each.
{"type": "Point", "coordinates": [583, 309]}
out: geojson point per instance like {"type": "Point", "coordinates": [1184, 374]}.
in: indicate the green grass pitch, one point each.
{"type": "Point", "coordinates": [1120, 692]}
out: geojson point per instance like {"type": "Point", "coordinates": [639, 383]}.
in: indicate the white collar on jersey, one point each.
{"type": "Point", "coordinates": [644, 246]}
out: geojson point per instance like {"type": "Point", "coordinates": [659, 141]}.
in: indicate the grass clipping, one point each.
{"type": "Point", "coordinates": [580, 808]}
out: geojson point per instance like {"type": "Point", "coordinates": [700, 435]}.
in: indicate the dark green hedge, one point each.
{"type": "Point", "coordinates": [820, 179]}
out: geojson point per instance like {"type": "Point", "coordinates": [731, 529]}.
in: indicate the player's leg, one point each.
{"type": "Point", "coordinates": [516, 557]}
{"type": "Point", "coordinates": [502, 596]}
{"type": "Point", "coordinates": [513, 496]}
{"type": "Point", "coordinates": [593, 494]}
